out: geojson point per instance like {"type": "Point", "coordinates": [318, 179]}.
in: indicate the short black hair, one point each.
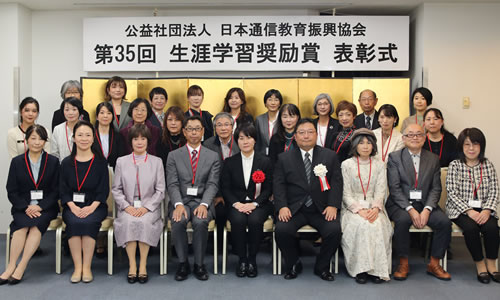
{"type": "Point", "coordinates": [25, 102]}
{"type": "Point", "coordinates": [389, 111]}
{"type": "Point", "coordinates": [192, 118]}
{"type": "Point", "coordinates": [247, 129]}
{"type": "Point", "coordinates": [158, 91]}
{"type": "Point", "coordinates": [96, 150]}
{"type": "Point", "coordinates": [304, 121]}
{"type": "Point", "coordinates": [276, 94]}
{"type": "Point", "coordinates": [424, 92]}
{"type": "Point", "coordinates": [74, 102]}
{"type": "Point", "coordinates": [38, 129]}
{"type": "Point", "coordinates": [139, 130]}
{"type": "Point", "coordinates": [136, 103]}
{"type": "Point", "coordinates": [109, 107]}
{"type": "Point", "coordinates": [476, 136]}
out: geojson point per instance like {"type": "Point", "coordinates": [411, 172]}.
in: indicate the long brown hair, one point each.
{"type": "Point", "coordinates": [179, 115]}
{"type": "Point", "coordinates": [241, 94]}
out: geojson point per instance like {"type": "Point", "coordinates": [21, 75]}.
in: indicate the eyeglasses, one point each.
{"type": "Point", "coordinates": [304, 132]}
{"type": "Point", "coordinates": [223, 125]}
{"type": "Point", "coordinates": [413, 135]}
{"type": "Point", "coordinates": [194, 129]}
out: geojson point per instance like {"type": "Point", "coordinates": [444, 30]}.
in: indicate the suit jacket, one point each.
{"type": "Point", "coordinates": [180, 175]}
{"type": "Point", "coordinates": [213, 144]}
{"type": "Point", "coordinates": [233, 181]}
{"type": "Point", "coordinates": [290, 185]}
{"type": "Point", "coordinates": [124, 117]}
{"type": "Point", "coordinates": [151, 180]}
{"type": "Point", "coordinates": [331, 131]}
{"type": "Point", "coordinates": [115, 141]}
{"type": "Point", "coordinates": [276, 147]}
{"type": "Point", "coordinates": [359, 121]}
{"type": "Point", "coordinates": [401, 179]}
{"type": "Point", "coordinates": [262, 126]}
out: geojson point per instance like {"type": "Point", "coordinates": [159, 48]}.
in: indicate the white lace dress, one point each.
{"type": "Point", "coordinates": [367, 246]}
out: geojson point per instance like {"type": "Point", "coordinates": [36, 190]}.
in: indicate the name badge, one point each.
{"type": "Point", "coordinates": [415, 194]}
{"type": "Point", "coordinates": [79, 197]}
{"type": "Point", "coordinates": [192, 191]}
{"type": "Point", "coordinates": [137, 204]}
{"type": "Point", "coordinates": [36, 195]}
{"type": "Point", "coordinates": [475, 203]}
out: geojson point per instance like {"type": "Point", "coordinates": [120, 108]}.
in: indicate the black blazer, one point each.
{"type": "Point", "coordinates": [156, 122]}
{"type": "Point", "coordinates": [19, 184]}
{"type": "Point", "coordinates": [359, 121]}
{"type": "Point", "coordinates": [206, 121]}
{"type": "Point", "coordinates": [213, 144]}
{"type": "Point", "coordinates": [233, 182]}
{"type": "Point", "coordinates": [58, 118]}
{"type": "Point", "coordinates": [277, 146]}
{"type": "Point", "coordinates": [116, 145]}
{"type": "Point", "coordinates": [290, 185]}
{"type": "Point", "coordinates": [331, 131]}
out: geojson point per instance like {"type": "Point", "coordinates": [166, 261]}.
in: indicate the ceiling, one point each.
{"type": "Point", "coordinates": [364, 7]}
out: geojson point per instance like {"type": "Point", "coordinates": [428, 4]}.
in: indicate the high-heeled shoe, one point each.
{"type": "Point", "coordinates": [495, 276]}
{"type": "Point", "coordinates": [14, 281]}
{"type": "Point", "coordinates": [143, 278]}
{"type": "Point", "coordinates": [132, 278]}
{"type": "Point", "coordinates": [3, 281]}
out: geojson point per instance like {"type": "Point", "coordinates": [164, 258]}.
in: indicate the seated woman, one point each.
{"type": "Point", "coordinates": [265, 124]}
{"type": "Point", "coordinates": [472, 186]}
{"type": "Point", "coordinates": [84, 188]}
{"type": "Point", "coordinates": [33, 190]}
{"type": "Point", "coordinates": [367, 231]}
{"type": "Point", "coordinates": [326, 126]}
{"type": "Point", "coordinates": [172, 137]}
{"type": "Point", "coordinates": [346, 112]}
{"type": "Point", "coordinates": [61, 144]}
{"type": "Point", "coordinates": [439, 140]}
{"type": "Point", "coordinates": [388, 139]}
{"type": "Point", "coordinates": [109, 142]}
{"type": "Point", "coordinates": [70, 88]}
{"type": "Point", "coordinates": [421, 99]}
{"type": "Point", "coordinates": [235, 103]}
{"type": "Point", "coordinates": [138, 190]}
{"type": "Point", "coordinates": [140, 111]}
{"type": "Point", "coordinates": [283, 140]}
{"type": "Point", "coordinates": [246, 183]}
{"type": "Point", "coordinates": [16, 141]}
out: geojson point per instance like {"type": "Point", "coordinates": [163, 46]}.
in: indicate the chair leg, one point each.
{"type": "Point", "coordinates": [279, 256]}
{"type": "Point", "coordinates": [161, 254]}
{"type": "Point", "coordinates": [274, 255]}
{"type": "Point", "coordinates": [110, 251]}
{"type": "Point", "coordinates": [58, 248]}
{"type": "Point", "coordinates": [215, 251]}
{"type": "Point", "coordinates": [445, 261]}
{"type": "Point", "coordinates": [165, 252]}
{"type": "Point", "coordinates": [337, 261]}
{"type": "Point", "coordinates": [7, 247]}
{"type": "Point", "coordinates": [224, 251]}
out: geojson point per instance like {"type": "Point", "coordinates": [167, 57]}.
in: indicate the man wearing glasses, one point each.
{"type": "Point", "coordinates": [192, 182]}
{"type": "Point", "coordinates": [414, 178]}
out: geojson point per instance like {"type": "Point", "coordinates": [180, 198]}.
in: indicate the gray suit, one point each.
{"type": "Point", "coordinates": [179, 178]}
{"type": "Point", "coordinates": [262, 126]}
{"type": "Point", "coordinates": [124, 117]}
{"type": "Point", "coordinates": [401, 179]}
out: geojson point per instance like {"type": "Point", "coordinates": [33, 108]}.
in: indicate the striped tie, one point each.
{"type": "Point", "coordinates": [194, 161]}
{"type": "Point", "coordinates": [308, 166]}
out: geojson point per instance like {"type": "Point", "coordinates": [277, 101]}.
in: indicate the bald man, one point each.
{"type": "Point", "coordinates": [414, 178]}
{"type": "Point", "coordinates": [369, 118]}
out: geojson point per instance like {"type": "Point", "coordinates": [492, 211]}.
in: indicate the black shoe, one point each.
{"type": "Point", "coordinates": [143, 278]}
{"type": "Point", "coordinates": [483, 277]}
{"type": "Point", "coordinates": [182, 271]}
{"type": "Point", "coordinates": [376, 279]}
{"type": "Point", "coordinates": [200, 272]}
{"type": "Point", "coordinates": [252, 270]}
{"type": "Point", "coordinates": [132, 278]}
{"type": "Point", "coordinates": [241, 271]}
{"type": "Point", "coordinates": [4, 281]}
{"type": "Point", "coordinates": [14, 281]}
{"type": "Point", "coordinates": [291, 275]}
{"type": "Point", "coordinates": [362, 278]}
{"type": "Point", "coordinates": [495, 276]}
{"type": "Point", "coordinates": [298, 267]}
{"type": "Point", "coordinates": [325, 275]}
{"type": "Point", "coordinates": [100, 252]}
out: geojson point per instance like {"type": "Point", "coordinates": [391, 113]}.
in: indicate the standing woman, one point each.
{"type": "Point", "coordinates": [84, 188]}
{"type": "Point", "coordinates": [265, 124]}
{"type": "Point", "coordinates": [388, 139]}
{"type": "Point", "coordinates": [472, 186]}
{"type": "Point", "coordinates": [439, 140]}
{"type": "Point", "coordinates": [367, 231]}
{"type": "Point", "coordinates": [61, 144]}
{"type": "Point", "coordinates": [28, 112]}
{"type": "Point", "coordinates": [140, 111]}
{"type": "Point", "coordinates": [246, 185]}
{"type": "Point", "coordinates": [116, 90]}
{"type": "Point", "coordinates": [138, 190]}
{"type": "Point", "coordinates": [421, 98]}
{"type": "Point", "coordinates": [70, 88]}
{"type": "Point", "coordinates": [346, 111]}
{"type": "Point", "coordinates": [33, 190]}
{"type": "Point", "coordinates": [106, 137]}
{"type": "Point", "coordinates": [326, 126]}
{"type": "Point", "coordinates": [172, 137]}
{"type": "Point", "coordinates": [235, 103]}
{"type": "Point", "coordinates": [283, 140]}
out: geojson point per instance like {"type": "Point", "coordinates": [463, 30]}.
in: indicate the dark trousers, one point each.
{"type": "Point", "coordinates": [221, 212]}
{"type": "Point", "coordinates": [330, 232]}
{"type": "Point", "coordinates": [472, 235]}
{"type": "Point", "coordinates": [241, 239]}
{"type": "Point", "coordinates": [438, 221]}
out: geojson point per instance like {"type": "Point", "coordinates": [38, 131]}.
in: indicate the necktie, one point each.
{"type": "Point", "coordinates": [194, 161]}
{"type": "Point", "coordinates": [308, 167]}
{"type": "Point", "coordinates": [368, 123]}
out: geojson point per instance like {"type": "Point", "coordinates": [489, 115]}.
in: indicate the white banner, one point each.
{"type": "Point", "coordinates": [262, 43]}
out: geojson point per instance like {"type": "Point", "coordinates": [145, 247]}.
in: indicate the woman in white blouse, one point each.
{"type": "Point", "coordinates": [388, 139]}
{"type": "Point", "coordinates": [61, 143]}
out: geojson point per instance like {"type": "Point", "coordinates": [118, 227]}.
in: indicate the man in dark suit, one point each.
{"type": "Point", "coordinates": [304, 195]}
{"type": "Point", "coordinates": [369, 118]}
{"type": "Point", "coordinates": [414, 178]}
{"type": "Point", "coordinates": [192, 181]}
